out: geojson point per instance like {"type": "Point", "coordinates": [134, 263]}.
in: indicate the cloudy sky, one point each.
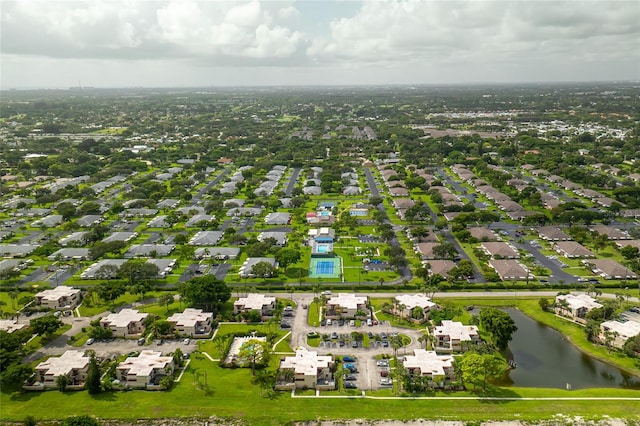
{"type": "Point", "coordinates": [177, 43]}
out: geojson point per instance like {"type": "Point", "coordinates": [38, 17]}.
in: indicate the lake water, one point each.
{"type": "Point", "coordinates": [545, 358]}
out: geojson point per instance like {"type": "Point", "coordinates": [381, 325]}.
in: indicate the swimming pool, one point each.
{"type": "Point", "coordinates": [322, 248]}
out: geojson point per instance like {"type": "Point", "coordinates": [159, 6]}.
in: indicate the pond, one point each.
{"type": "Point", "coordinates": [545, 358]}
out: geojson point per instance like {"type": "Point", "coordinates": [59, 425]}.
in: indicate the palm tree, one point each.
{"type": "Point", "coordinates": [13, 294]}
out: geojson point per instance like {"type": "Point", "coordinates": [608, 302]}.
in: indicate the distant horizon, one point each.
{"type": "Point", "coordinates": [319, 85]}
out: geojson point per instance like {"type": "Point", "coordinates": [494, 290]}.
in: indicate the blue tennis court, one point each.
{"type": "Point", "coordinates": [325, 268]}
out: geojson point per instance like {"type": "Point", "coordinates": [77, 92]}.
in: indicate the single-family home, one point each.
{"type": "Point", "coordinates": [610, 231]}
{"type": "Point", "coordinates": [105, 269]}
{"type": "Point", "coordinates": [75, 238]}
{"type": "Point", "coordinates": [149, 250]}
{"type": "Point", "coordinates": [453, 336]}
{"type": "Point", "coordinates": [126, 323]}
{"type": "Point", "coordinates": [306, 370]}
{"type": "Point", "coordinates": [255, 302]}
{"type": "Point", "coordinates": [60, 298]}
{"type": "Point", "coordinates": [69, 254]}
{"type": "Point", "coordinates": [145, 370]}
{"type": "Point", "coordinates": [192, 322]}
{"type": "Point", "coordinates": [482, 234]}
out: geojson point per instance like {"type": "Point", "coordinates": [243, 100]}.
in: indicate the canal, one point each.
{"type": "Point", "coordinates": [545, 358]}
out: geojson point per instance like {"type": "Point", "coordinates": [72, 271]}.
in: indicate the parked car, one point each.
{"type": "Point", "coordinates": [386, 381]}
{"type": "Point", "coordinates": [348, 358]}
{"type": "Point", "coordinates": [382, 363]}
{"type": "Point", "coordinates": [350, 378]}
{"type": "Point", "coordinates": [141, 341]}
{"type": "Point", "coordinates": [352, 323]}
{"type": "Point", "coordinates": [350, 385]}
{"type": "Point", "coordinates": [186, 341]}
{"type": "Point", "coordinates": [90, 341]}
{"type": "Point", "coordinates": [334, 335]}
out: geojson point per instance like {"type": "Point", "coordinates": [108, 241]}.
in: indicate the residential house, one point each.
{"type": "Point", "coordinates": [149, 250]}
{"type": "Point", "coordinates": [553, 233]}
{"type": "Point", "coordinates": [145, 370]}
{"type": "Point", "coordinates": [69, 254]}
{"type": "Point", "coordinates": [48, 221]}
{"type": "Point", "coordinates": [60, 298]}
{"type": "Point", "coordinates": [279, 237]}
{"type": "Point", "coordinates": [425, 250]}
{"type": "Point", "coordinates": [72, 364]}
{"type": "Point", "coordinates": [306, 370]}
{"type": "Point", "coordinates": [483, 234]}
{"type": "Point", "coordinates": [346, 305]}
{"type": "Point", "coordinates": [440, 267]}
{"type": "Point", "coordinates": [409, 304]}
{"type": "Point", "coordinates": [575, 306]}
{"type": "Point", "coordinates": [509, 269]}
{"type": "Point", "coordinates": [425, 363]}
{"type": "Point", "coordinates": [126, 323]}
{"type": "Point", "coordinates": [572, 249]}
{"type": "Point", "coordinates": [10, 325]}
{"type": "Point", "coordinates": [192, 322]}
{"type": "Point", "coordinates": [453, 336]}
{"type": "Point", "coordinates": [206, 238]}
{"type": "Point", "coordinates": [255, 302]}
{"type": "Point", "coordinates": [103, 269]}
{"type": "Point", "coordinates": [500, 250]}
{"type": "Point", "coordinates": [246, 269]}
{"type": "Point", "coordinates": [120, 236]}
{"type": "Point", "coordinates": [618, 331]}
{"type": "Point", "coordinates": [89, 220]}
{"type": "Point", "coordinates": [610, 269]}
{"type": "Point", "coordinates": [611, 232]}
{"type": "Point", "coordinates": [278, 218]}
{"type": "Point", "coordinates": [16, 250]}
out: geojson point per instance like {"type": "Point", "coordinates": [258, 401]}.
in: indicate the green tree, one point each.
{"type": "Point", "coordinates": [544, 303]}
{"type": "Point", "coordinates": [110, 291]}
{"type": "Point", "coordinates": [263, 269]}
{"type": "Point", "coordinates": [16, 374]}
{"type": "Point", "coordinates": [166, 299]}
{"type": "Point", "coordinates": [93, 384]}
{"type": "Point", "coordinates": [61, 382]}
{"type": "Point", "coordinates": [287, 256]}
{"type": "Point", "coordinates": [477, 368]}
{"type": "Point", "coordinates": [45, 326]}
{"type": "Point", "coordinates": [499, 325]}
{"type": "Point", "coordinates": [207, 292]}
{"type": "Point", "coordinates": [254, 351]}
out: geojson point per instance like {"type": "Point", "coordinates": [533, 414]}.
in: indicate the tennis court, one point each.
{"type": "Point", "coordinates": [324, 268]}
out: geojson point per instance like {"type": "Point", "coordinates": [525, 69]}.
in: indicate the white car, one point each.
{"type": "Point", "coordinates": [386, 381]}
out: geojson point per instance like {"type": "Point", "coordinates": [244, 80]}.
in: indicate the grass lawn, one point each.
{"type": "Point", "coordinates": [229, 393]}
{"type": "Point", "coordinates": [313, 314]}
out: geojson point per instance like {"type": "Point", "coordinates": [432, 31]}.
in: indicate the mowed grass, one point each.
{"type": "Point", "coordinates": [229, 393]}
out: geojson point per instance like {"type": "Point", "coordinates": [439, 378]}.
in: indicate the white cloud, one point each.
{"type": "Point", "coordinates": [479, 31]}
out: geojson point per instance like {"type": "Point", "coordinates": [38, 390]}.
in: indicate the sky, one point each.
{"type": "Point", "coordinates": [201, 43]}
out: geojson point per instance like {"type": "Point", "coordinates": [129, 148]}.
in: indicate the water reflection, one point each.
{"type": "Point", "coordinates": [546, 359]}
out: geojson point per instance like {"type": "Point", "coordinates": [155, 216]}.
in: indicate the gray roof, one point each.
{"type": "Point", "coordinates": [244, 211]}
{"type": "Point", "coordinates": [206, 238]}
{"type": "Point", "coordinates": [146, 249]}
{"type": "Point", "coordinates": [12, 250]}
{"type": "Point", "coordinates": [120, 236]}
{"type": "Point", "coordinates": [194, 220]}
{"type": "Point", "coordinates": [158, 222]}
{"type": "Point", "coordinates": [48, 221]}
{"type": "Point", "coordinates": [76, 236]}
{"type": "Point", "coordinates": [231, 252]}
{"type": "Point", "coordinates": [89, 220]}
{"type": "Point", "coordinates": [70, 253]}
{"type": "Point", "coordinates": [277, 218]}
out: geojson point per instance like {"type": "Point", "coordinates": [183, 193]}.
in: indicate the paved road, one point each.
{"type": "Point", "coordinates": [372, 183]}
{"type": "Point", "coordinates": [292, 182]}
{"type": "Point", "coordinates": [210, 185]}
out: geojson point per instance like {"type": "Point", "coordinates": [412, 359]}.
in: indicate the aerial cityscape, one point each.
{"type": "Point", "coordinates": [310, 213]}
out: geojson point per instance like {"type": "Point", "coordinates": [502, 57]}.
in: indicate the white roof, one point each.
{"type": "Point", "coordinates": [10, 325]}
{"type": "Point", "coordinates": [428, 362]}
{"type": "Point", "coordinates": [577, 301]}
{"type": "Point", "coordinates": [306, 362]}
{"type": "Point", "coordinates": [348, 300]}
{"type": "Point", "coordinates": [255, 301]}
{"type": "Point", "coordinates": [456, 330]}
{"type": "Point", "coordinates": [57, 366]}
{"type": "Point", "coordinates": [58, 293]}
{"type": "Point", "coordinates": [624, 329]}
{"type": "Point", "coordinates": [190, 317]}
{"type": "Point", "coordinates": [144, 364]}
{"type": "Point", "coordinates": [411, 301]}
{"type": "Point", "coordinates": [125, 317]}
